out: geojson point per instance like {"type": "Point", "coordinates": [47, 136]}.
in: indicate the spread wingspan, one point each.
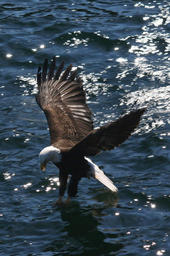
{"type": "Point", "coordinates": [61, 97]}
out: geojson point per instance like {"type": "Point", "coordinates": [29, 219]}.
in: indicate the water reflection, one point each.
{"type": "Point", "coordinates": [160, 252]}
{"type": "Point", "coordinates": [158, 97]}
{"type": "Point", "coordinates": [82, 228]}
{"type": "Point", "coordinates": [9, 55]}
{"type": "Point", "coordinates": [8, 175]}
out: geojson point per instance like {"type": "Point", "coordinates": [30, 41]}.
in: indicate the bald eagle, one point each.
{"type": "Point", "coordinates": [73, 138]}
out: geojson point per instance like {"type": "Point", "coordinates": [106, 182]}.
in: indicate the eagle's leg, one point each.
{"type": "Point", "coordinates": [72, 188]}
{"type": "Point", "coordinates": [63, 177]}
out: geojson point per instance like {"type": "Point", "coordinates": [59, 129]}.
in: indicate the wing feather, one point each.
{"type": "Point", "coordinates": [59, 70]}
{"type": "Point", "coordinates": [110, 135]}
{"type": "Point", "coordinates": [52, 69]}
{"type": "Point", "coordinates": [61, 97]}
{"type": "Point", "coordinates": [44, 71]}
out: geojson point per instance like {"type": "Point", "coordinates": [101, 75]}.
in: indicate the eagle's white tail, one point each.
{"type": "Point", "coordinates": [100, 176]}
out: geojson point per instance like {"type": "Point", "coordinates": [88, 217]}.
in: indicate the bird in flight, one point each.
{"type": "Point", "coordinates": [73, 138]}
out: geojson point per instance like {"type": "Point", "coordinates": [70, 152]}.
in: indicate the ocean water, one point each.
{"type": "Point", "coordinates": [121, 49]}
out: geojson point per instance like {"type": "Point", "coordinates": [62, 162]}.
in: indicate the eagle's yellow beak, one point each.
{"type": "Point", "coordinates": [43, 166]}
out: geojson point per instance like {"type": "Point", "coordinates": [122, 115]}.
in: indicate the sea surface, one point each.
{"type": "Point", "coordinates": [121, 49]}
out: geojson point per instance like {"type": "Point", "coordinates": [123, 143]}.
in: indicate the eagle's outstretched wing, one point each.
{"type": "Point", "coordinates": [108, 136]}
{"type": "Point", "coordinates": [61, 97]}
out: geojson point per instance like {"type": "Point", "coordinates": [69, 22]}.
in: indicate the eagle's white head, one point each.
{"type": "Point", "coordinates": [48, 154]}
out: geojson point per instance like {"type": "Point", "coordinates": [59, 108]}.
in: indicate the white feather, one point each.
{"type": "Point", "coordinates": [100, 176]}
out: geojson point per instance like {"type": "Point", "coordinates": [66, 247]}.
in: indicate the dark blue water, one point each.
{"type": "Point", "coordinates": [122, 51]}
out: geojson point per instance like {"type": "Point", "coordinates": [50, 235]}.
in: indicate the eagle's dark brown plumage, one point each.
{"type": "Point", "coordinates": [61, 97]}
